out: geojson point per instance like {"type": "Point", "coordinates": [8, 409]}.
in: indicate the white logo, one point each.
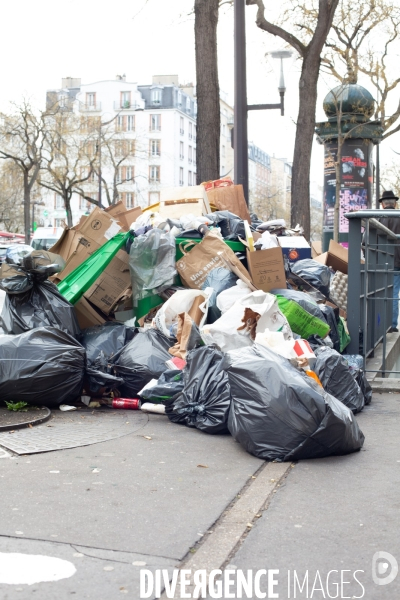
{"type": "Point", "coordinates": [381, 563]}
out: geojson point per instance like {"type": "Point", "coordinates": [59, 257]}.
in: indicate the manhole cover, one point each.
{"type": "Point", "coordinates": [73, 429]}
{"type": "Point", "coordinates": [10, 419]}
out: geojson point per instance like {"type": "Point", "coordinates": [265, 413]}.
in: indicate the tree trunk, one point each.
{"type": "Point", "coordinates": [67, 204]}
{"type": "Point", "coordinates": [303, 143]}
{"type": "Point", "coordinates": [27, 209]}
{"type": "Point", "coordinates": [207, 84]}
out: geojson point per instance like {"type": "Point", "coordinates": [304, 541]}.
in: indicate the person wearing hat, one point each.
{"type": "Point", "coordinates": [388, 202]}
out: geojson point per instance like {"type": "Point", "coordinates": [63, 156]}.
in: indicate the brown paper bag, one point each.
{"type": "Point", "coordinates": [230, 198]}
{"type": "Point", "coordinates": [187, 335]}
{"type": "Point", "coordinates": [199, 260]}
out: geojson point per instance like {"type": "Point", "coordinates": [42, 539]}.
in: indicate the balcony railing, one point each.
{"type": "Point", "coordinates": [126, 105]}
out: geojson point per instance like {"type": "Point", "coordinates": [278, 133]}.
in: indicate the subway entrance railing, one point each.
{"type": "Point", "coordinates": [370, 285]}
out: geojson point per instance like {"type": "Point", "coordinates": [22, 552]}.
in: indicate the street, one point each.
{"type": "Point", "coordinates": [157, 498]}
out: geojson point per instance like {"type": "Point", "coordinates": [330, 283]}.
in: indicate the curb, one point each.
{"type": "Point", "coordinates": [38, 421]}
{"type": "Point", "coordinates": [221, 542]}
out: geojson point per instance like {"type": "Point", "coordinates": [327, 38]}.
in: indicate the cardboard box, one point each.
{"type": "Point", "coordinates": [99, 226]}
{"type": "Point", "coordinates": [337, 257]}
{"type": "Point", "coordinates": [295, 247]}
{"type": "Point", "coordinates": [87, 315]}
{"type": "Point", "coordinates": [230, 198]}
{"type": "Point", "coordinates": [111, 285]}
{"type": "Point", "coordinates": [115, 209]}
{"type": "Point", "coordinates": [128, 217]}
{"type": "Point", "coordinates": [267, 269]}
{"type": "Point", "coordinates": [66, 245]}
{"type": "Point", "coordinates": [84, 248]}
{"type": "Point", "coordinates": [316, 249]}
{"type": "Point", "coordinates": [179, 201]}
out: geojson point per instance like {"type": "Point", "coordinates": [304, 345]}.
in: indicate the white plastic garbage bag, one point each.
{"type": "Point", "coordinates": [228, 297]}
{"type": "Point", "coordinates": [181, 302]}
{"type": "Point", "coordinates": [239, 325]}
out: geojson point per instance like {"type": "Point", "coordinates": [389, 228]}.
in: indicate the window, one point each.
{"type": "Point", "coordinates": [155, 122]}
{"type": "Point", "coordinates": [181, 151]}
{"type": "Point", "coordinates": [194, 132]}
{"type": "Point", "coordinates": [58, 201]}
{"type": "Point", "coordinates": [120, 174]}
{"type": "Point", "coordinates": [181, 176]}
{"type": "Point", "coordinates": [155, 147]}
{"type": "Point", "coordinates": [190, 178]}
{"type": "Point", "coordinates": [181, 126]}
{"type": "Point", "coordinates": [121, 123]}
{"type": "Point", "coordinates": [129, 200]}
{"type": "Point", "coordinates": [154, 198]}
{"type": "Point", "coordinates": [190, 154]}
{"type": "Point", "coordinates": [59, 222]}
{"type": "Point", "coordinates": [83, 204]}
{"type": "Point", "coordinates": [91, 149]}
{"type": "Point", "coordinates": [91, 99]}
{"type": "Point", "coordinates": [154, 174]}
{"type": "Point", "coordinates": [188, 104]}
{"type": "Point", "coordinates": [179, 98]}
{"type": "Point", "coordinates": [224, 130]}
{"type": "Point", "coordinates": [129, 173]}
{"type": "Point", "coordinates": [130, 123]}
{"type": "Point", "coordinates": [190, 130]}
{"type": "Point", "coordinates": [61, 100]}
{"type": "Point", "coordinates": [156, 96]}
{"type": "Point", "coordinates": [223, 151]}
{"type": "Point", "coordinates": [194, 156]}
{"type": "Point", "coordinates": [125, 99]}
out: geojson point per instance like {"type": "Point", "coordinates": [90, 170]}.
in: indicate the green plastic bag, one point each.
{"type": "Point", "coordinates": [79, 281]}
{"type": "Point", "coordinates": [300, 321]}
{"type": "Point", "coordinates": [344, 336]}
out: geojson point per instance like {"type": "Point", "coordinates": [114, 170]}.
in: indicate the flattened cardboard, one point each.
{"type": "Point", "coordinates": [87, 315]}
{"type": "Point", "coordinates": [267, 269]}
{"type": "Point", "coordinates": [99, 226]}
{"type": "Point", "coordinates": [66, 245]}
{"type": "Point", "coordinates": [85, 248]}
{"type": "Point", "coordinates": [128, 217]}
{"type": "Point", "coordinates": [337, 257]}
{"type": "Point", "coordinates": [111, 285]}
{"type": "Point", "coordinates": [178, 201]}
{"type": "Point", "coordinates": [316, 249]}
{"type": "Point", "coordinates": [230, 198]}
{"type": "Point", "coordinates": [115, 209]}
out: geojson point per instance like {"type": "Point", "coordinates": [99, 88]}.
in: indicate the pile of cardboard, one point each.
{"type": "Point", "coordinates": [113, 288]}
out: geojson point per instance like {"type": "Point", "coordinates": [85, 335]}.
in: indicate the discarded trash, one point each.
{"type": "Point", "coordinates": [317, 275]}
{"type": "Point", "coordinates": [205, 400]}
{"type": "Point", "coordinates": [334, 373]}
{"type": "Point", "coordinates": [131, 403]}
{"type": "Point", "coordinates": [280, 414]}
{"type": "Point", "coordinates": [169, 384]}
{"type": "Point", "coordinates": [43, 366]}
{"type": "Point", "coordinates": [148, 407]}
{"type": "Point", "coordinates": [67, 408]}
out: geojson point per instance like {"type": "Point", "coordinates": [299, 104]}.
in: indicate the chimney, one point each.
{"type": "Point", "coordinates": [71, 82]}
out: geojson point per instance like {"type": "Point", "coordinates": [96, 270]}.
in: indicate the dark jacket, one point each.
{"type": "Point", "coordinates": [393, 224]}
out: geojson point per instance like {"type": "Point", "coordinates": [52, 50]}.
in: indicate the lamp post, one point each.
{"type": "Point", "coordinates": [240, 97]}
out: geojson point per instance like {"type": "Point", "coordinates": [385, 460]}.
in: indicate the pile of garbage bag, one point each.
{"type": "Point", "coordinates": [225, 322]}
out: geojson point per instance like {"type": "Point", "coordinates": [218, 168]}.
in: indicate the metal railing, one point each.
{"type": "Point", "coordinates": [370, 283]}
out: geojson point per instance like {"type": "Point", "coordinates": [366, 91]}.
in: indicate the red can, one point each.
{"type": "Point", "coordinates": [131, 403]}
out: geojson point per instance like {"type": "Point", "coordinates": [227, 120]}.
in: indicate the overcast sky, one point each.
{"type": "Point", "coordinates": [43, 41]}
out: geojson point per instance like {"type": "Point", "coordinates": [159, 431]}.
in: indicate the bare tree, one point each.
{"type": "Point", "coordinates": [21, 141]}
{"type": "Point", "coordinates": [314, 26]}
{"type": "Point", "coordinates": [69, 156]}
{"type": "Point", "coordinates": [11, 194]}
{"type": "Point", "coordinates": [207, 85]}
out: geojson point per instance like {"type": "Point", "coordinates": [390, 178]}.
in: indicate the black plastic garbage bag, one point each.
{"type": "Point", "coordinates": [364, 384]}
{"type": "Point", "coordinates": [101, 343]}
{"type": "Point", "coordinates": [336, 378]}
{"type": "Point", "coordinates": [205, 400]}
{"type": "Point", "coordinates": [168, 385]}
{"type": "Point", "coordinates": [316, 274]}
{"type": "Point", "coordinates": [44, 366]}
{"type": "Point", "coordinates": [32, 300]}
{"type": "Point", "coordinates": [330, 318]}
{"type": "Point", "coordinates": [280, 414]}
{"type": "Point", "coordinates": [219, 279]}
{"type": "Point", "coordinates": [141, 360]}
{"type": "Point", "coordinates": [231, 226]}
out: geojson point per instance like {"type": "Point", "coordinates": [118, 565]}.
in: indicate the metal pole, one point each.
{"type": "Point", "coordinates": [377, 176]}
{"type": "Point", "coordinates": [241, 163]}
{"type": "Point", "coordinates": [100, 204]}
{"type": "Point", "coordinates": [33, 216]}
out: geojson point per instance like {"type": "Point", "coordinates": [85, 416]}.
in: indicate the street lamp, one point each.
{"type": "Point", "coordinates": [241, 106]}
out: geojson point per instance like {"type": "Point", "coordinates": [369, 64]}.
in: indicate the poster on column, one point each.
{"type": "Point", "coordinates": [355, 184]}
